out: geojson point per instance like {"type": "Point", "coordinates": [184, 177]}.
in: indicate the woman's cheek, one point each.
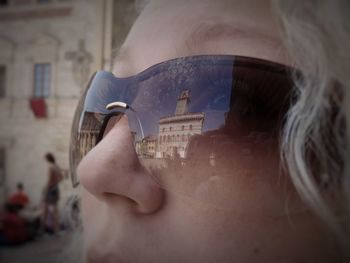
{"type": "Point", "coordinates": [239, 176]}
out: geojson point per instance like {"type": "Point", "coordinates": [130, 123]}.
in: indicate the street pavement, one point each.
{"type": "Point", "coordinates": [43, 249]}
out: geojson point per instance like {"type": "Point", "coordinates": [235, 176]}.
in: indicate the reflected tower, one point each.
{"type": "Point", "coordinates": [175, 131]}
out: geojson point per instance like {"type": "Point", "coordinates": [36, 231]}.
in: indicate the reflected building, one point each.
{"type": "Point", "coordinates": [88, 133]}
{"type": "Point", "coordinates": [175, 131]}
{"type": "Point", "coordinates": [148, 146]}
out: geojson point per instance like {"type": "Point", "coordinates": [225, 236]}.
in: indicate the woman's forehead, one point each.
{"type": "Point", "coordinates": [166, 30]}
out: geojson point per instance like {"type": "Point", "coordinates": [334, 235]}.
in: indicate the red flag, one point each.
{"type": "Point", "coordinates": [38, 107]}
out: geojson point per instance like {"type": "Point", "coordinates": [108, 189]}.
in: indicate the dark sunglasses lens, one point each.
{"type": "Point", "coordinates": [200, 125]}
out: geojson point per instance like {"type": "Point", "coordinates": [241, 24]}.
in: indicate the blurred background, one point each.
{"type": "Point", "coordinates": [48, 51]}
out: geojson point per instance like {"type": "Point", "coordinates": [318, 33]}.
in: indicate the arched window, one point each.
{"type": "Point", "coordinates": [190, 127]}
{"type": "Point", "coordinates": [171, 128]}
{"type": "Point", "coordinates": [182, 127]}
{"type": "Point", "coordinates": [183, 137]}
{"type": "Point", "coordinates": [177, 138]}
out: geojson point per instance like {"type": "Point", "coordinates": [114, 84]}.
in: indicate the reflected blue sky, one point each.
{"type": "Point", "coordinates": [154, 93]}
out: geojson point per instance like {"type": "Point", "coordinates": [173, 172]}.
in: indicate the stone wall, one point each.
{"type": "Point", "coordinates": [32, 34]}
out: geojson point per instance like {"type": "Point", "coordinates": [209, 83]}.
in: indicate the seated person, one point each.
{"type": "Point", "coordinates": [19, 222]}
{"type": "Point", "coordinates": [19, 198]}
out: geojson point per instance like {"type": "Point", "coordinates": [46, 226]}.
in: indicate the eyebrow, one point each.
{"type": "Point", "coordinates": [205, 32]}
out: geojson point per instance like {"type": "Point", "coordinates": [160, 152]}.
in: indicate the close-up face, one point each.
{"type": "Point", "coordinates": [196, 176]}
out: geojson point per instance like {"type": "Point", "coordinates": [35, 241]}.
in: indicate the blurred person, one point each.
{"type": "Point", "coordinates": [13, 229]}
{"type": "Point", "coordinates": [266, 177]}
{"type": "Point", "coordinates": [20, 222]}
{"type": "Point", "coordinates": [52, 195]}
{"type": "Point", "coordinates": [19, 198]}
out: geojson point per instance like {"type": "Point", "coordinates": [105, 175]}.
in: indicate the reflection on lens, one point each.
{"type": "Point", "coordinates": [174, 132]}
{"type": "Point", "coordinates": [200, 135]}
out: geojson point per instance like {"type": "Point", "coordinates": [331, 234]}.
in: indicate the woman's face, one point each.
{"type": "Point", "coordinates": [256, 216]}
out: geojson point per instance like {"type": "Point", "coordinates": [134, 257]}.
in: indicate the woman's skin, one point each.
{"type": "Point", "coordinates": [258, 217]}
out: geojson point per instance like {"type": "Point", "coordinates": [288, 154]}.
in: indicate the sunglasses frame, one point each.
{"type": "Point", "coordinates": [238, 61]}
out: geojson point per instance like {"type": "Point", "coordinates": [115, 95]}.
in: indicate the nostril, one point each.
{"type": "Point", "coordinates": [110, 197]}
{"type": "Point", "coordinates": [141, 197]}
{"type": "Point", "coordinates": [147, 193]}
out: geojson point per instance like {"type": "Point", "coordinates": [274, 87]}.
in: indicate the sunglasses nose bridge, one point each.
{"type": "Point", "coordinates": [134, 120]}
{"type": "Point", "coordinates": [119, 137]}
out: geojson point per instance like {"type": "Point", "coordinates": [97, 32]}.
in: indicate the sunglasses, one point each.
{"type": "Point", "coordinates": [192, 119]}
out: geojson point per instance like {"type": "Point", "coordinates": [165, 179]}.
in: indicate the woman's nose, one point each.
{"type": "Point", "coordinates": [112, 169]}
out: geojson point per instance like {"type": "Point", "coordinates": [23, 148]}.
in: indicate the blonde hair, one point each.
{"type": "Point", "coordinates": [314, 143]}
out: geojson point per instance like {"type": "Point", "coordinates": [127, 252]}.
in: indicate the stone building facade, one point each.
{"type": "Point", "coordinates": [148, 146]}
{"type": "Point", "coordinates": [48, 50]}
{"type": "Point", "coordinates": [175, 131]}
